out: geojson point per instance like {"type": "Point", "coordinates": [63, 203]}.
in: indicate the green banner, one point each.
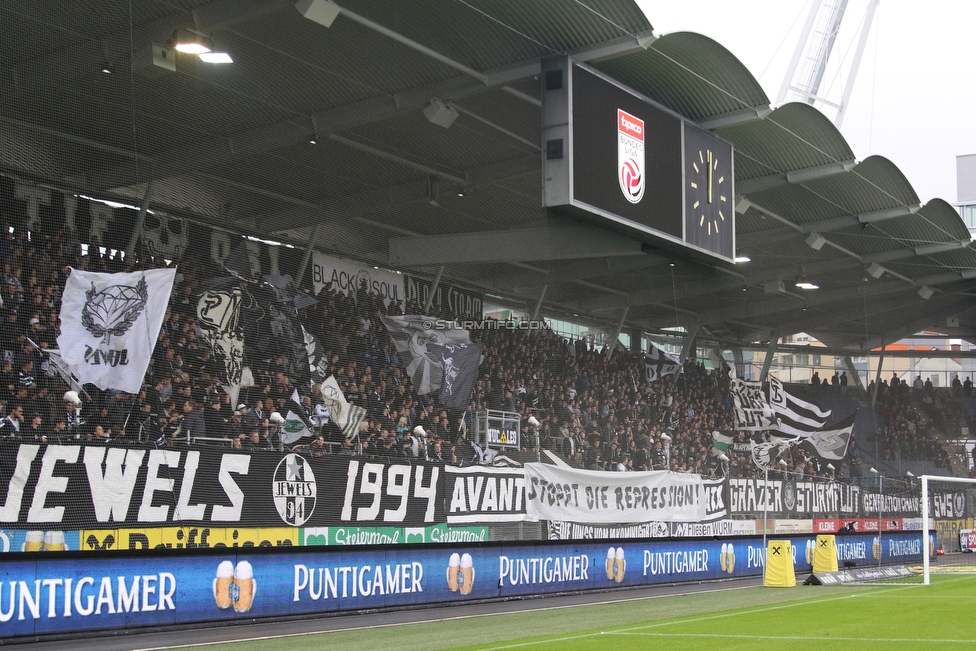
{"type": "Point", "coordinates": [352, 535]}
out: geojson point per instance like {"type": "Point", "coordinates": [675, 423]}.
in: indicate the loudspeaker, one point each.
{"type": "Point", "coordinates": [440, 113]}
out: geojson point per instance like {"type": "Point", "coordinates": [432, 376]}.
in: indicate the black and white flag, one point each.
{"type": "Point", "coordinates": [796, 417]}
{"type": "Point", "coordinates": [334, 399]}
{"type": "Point", "coordinates": [219, 316]}
{"type": "Point", "coordinates": [459, 363]}
{"type": "Point", "coordinates": [750, 408]}
{"type": "Point", "coordinates": [659, 364]}
{"type": "Point", "coordinates": [109, 325]}
{"type": "Point", "coordinates": [297, 425]}
{"type": "Point", "coordinates": [317, 363]}
{"type": "Point", "coordinates": [831, 444]}
{"type": "Point", "coordinates": [355, 417]}
{"type": "Point", "coordinates": [411, 334]}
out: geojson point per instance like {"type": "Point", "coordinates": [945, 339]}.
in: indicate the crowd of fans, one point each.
{"type": "Point", "coordinates": [911, 418]}
{"type": "Point", "coordinates": [597, 411]}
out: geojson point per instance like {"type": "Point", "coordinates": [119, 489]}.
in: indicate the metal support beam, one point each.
{"type": "Point", "coordinates": [744, 116]}
{"type": "Point", "coordinates": [433, 289]}
{"type": "Point", "coordinates": [737, 359]}
{"type": "Point", "coordinates": [689, 345]}
{"type": "Point", "coordinates": [307, 255]}
{"type": "Point", "coordinates": [538, 303]}
{"type": "Point", "coordinates": [770, 352]}
{"type": "Point", "coordinates": [805, 175]}
{"type": "Point", "coordinates": [549, 243]}
{"type": "Point", "coordinates": [849, 365]}
{"type": "Point", "coordinates": [877, 377]}
{"type": "Point", "coordinates": [616, 333]}
{"type": "Point", "coordinates": [140, 220]}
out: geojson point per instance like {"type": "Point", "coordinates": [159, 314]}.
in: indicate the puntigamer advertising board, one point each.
{"type": "Point", "coordinates": [52, 594]}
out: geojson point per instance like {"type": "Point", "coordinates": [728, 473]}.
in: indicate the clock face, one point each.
{"type": "Point", "coordinates": [709, 211]}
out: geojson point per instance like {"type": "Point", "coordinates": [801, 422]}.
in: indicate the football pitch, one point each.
{"type": "Point", "coordinates": [908, 616]}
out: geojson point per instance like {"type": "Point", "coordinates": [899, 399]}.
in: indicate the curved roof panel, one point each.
{"type": "Point", "coordinates": [691, 74]}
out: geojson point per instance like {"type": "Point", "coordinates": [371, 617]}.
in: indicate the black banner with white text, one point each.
{"type": "Point", "coordinates": [86, 486]}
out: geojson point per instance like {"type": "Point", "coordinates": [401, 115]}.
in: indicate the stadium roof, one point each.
{"type": "Point", "coordinates": [229, 145]}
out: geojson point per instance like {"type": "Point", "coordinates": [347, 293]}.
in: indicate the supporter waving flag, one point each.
{"type": "Point", "coordinates": [296, 426]}
{"type": "Point", "coordinates": [796, 417]}
{"type": "Point", "coordinates": [335, 400]}
{"type": "Point", "coordinates": [659, 364]}
{"type": "Point", "coordinates": [410, 335]}
{"type": "Point", "coordinates": [109, 325]}
{"type": "Point", "coordinates": [459, 363]}
{"type": "Point", "coordinates": [831, 444]}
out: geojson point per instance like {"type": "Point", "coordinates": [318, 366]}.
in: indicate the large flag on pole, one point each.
{"type": "Point", "coordinates": [796, 417]}
{"type": "Point", "coordinates": [296, 425]}
{"type": "Point", "coordinates": [831, 444]}
{"type": "Point", "coordinates": [109, 325]}
{"type": "Point", "coordinates": [335, 400]}
{"type": "Point", "coordinates": [658, 364]}
{"type": "Point", "coordinates": [720, 442]}
{"type": "Point", "coordinates": [410, 335]}
{"type": "Point", "coordinates": [355, 417]}
{"type": "Point", "coordinates": [460, 363]}
{"type": "Point", "coordinates": [750, 407]}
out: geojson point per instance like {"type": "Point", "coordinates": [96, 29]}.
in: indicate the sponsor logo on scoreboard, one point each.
{"type": "Point", "coordinates": [630, 156]}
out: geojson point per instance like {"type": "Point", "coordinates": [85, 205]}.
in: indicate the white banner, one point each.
{"type": "Point", "coordinates": [479, 494]}
{"type": "Point", "coordinates": [109, 325]}
{"type": "Point", "coordinates": [586, 496]}
{"type": "Point", "coordinates": [346, 275]}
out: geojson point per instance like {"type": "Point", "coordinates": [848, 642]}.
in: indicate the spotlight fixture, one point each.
{"type": "Point", "coordinates": [741, 259]}
{"type": "Point", "coordinates": [803, 283]}
{"type": "Point", "coordinates": [216, 57]}
{"type": "Point", "coordinates": [189, 42]}
{"type": "Point", "coordinates": [926, 292]}
{"type": "Point", "coordinates": [107, 68]}
{"type": "Point", "coordinates": [313, 139]}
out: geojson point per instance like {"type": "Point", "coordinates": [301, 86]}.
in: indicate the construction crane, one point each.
{"type": "Point", "coordinates": [805, 74]}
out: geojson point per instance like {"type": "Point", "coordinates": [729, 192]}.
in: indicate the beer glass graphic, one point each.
{"type": "Point", "coordinates": [244, 587]}
{"type": "Point", "coordinates": [222, 584]}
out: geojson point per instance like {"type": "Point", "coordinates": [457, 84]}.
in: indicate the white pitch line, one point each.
{"type": "Point", "coordinates": [434, 620]}
{"type": "Point", "coordinates": [677, 622]}
{"type": "Point", "coordinates": [803, 638]}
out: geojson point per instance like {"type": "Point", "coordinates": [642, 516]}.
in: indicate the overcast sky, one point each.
{"type": "Point", "coordinates": [914, 98]}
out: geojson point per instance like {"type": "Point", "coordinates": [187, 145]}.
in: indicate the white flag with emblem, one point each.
{"type": "Point", "coordinates": [109, 325]}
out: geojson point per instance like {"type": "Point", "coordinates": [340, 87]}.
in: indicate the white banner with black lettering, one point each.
{"type": "Point", "coordinates": [109, 325]}
{"type": "Point", "coordinates": [558, 493]}
{"type": "Point", "coordinates": [485, 494]}
{"type": "Point", "coordinates": [346, 275]}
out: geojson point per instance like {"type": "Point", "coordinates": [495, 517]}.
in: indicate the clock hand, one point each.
{"type": "Point", "coordinates": [709, 176]}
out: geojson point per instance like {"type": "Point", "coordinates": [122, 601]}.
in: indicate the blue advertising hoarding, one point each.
{"type": "Point", "coordinates": [55, 594]}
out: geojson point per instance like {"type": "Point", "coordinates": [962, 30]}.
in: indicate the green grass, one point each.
{"type": "Point", "coordinates": [806, 617]}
